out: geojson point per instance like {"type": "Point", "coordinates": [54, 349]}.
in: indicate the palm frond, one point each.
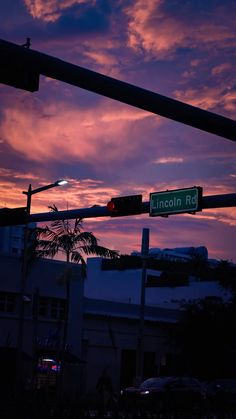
{"type": "Point", "coordinates": [47, 234]}
{"type": "Point", "coordinates": [69, 238]}
{"type": "Point", "coordinates": [85, 238]}
{"type": "Point", "coordinates": [99, 251]}
{"type": "Point", "coordinates": [78, 225]}
{"type": "Point", "coordinates": [60, 226]}
{"type": "Point", "coordinates": [48, 250]}
{"type": "Point", "coordinates": [77, 257]}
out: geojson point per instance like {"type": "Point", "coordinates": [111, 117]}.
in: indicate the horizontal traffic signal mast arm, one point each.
{"type": "Point", "coordinates": [212, 201]}
{"type": "Point", "coordinates": [219, 201]}
{"type": "Point", "coordinates": [115, 89]}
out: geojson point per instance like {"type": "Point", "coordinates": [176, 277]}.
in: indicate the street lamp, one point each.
{"type": "Point", "coordinates": [20, 336]}
{"type": "Point", "coordinates": [29, 194]}
{"type": "Point", "coordinates": [31, 191]}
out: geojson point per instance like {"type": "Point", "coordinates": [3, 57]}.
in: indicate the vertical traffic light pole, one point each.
{"type": "Point", "coordinates": [20, 337]}
{"type": "Point", "coordinates": [140, 346]}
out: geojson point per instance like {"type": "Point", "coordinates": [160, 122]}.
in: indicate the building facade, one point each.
{"type": "Point", "coordinates": [101, 333]}
{"type": "Point", "coordinates": [104, 322]}
{"type": "Point", "coordinates": [12, 239]}
{"type": "Point", "coordinates": [44, 317]}
{"type": "Point", "coordinates": [111, 333]}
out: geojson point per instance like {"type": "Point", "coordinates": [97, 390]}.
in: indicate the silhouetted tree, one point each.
{"type": "Point", "coordinates": [226, 275]}
{"type": "Point", "coordinates": [68, 238]}
{"type": "Point", "coordinates": [206, 338]}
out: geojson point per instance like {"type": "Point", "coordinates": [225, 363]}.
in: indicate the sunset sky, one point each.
{"type": "Point", "coordinates": [183, 49]}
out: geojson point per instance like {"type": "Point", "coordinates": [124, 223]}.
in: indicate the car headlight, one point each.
{"type": "Point", "coordinates": [144, 392]}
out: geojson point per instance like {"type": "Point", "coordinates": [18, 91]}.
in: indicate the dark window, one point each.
{"type": "Point", "coordinates": [58, 308]}
{"type": "Point", "coordinates": [7, 302]}
{"type": "Point", "coordinates": [43, 306]}
{"type": "Point", "coordinates": [53, 308]}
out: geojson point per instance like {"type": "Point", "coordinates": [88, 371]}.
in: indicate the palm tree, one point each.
{"type": "Point", "coordinates": [68, 238]}
{"type": "Point", "coordinates": [61, 236]}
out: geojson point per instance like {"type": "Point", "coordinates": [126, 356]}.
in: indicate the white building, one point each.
{"type": "Point", "coordinates": [125, 286]}
{"type": "Point", "coordinates": [177, 254]}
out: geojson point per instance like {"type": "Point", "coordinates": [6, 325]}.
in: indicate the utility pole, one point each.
{"type": "Point", "coordinates": [20, 336]}
{"type": "Point", "coordinates": [140, 345]}
{"type": "Point", "coordinates": [23, 280]}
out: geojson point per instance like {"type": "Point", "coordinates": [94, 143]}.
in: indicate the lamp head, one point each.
{"type": "Point", "coordinates": [61, 182]}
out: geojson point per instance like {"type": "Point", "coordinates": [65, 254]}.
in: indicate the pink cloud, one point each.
{"type": "Point", "coordinates": [221, 68]}
{"type": "Point", "coordinates": [226, 216]}
{"type": "Point", "coordinates": [101, 58]}
{"type": "Point", "coordinates": [168, 160]}
{"type": "Point", "coordinates": [79, 193]}
{"type": "Point", "coordinates": [176, 231]}
{"type": "Point", "coordinates": [209, 98]}
{"type": "Point", "coordinates": [63, 132]}
{"type": "Point", "coordinates": [6, 173]}
{"type": "Point", "coordinates": [149, 29]}
{"type": "Point", "coordinates": [158, 33]}
{"type": "Point", "coordinates": [50, 10]}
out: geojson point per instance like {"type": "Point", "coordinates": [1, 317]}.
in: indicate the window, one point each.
{"type": "Point", "coordinates": [58, 308]}
{"type": "Point", "coordinates": [7, 302]}
{"type": "Point", "coordinates": [16, 251]}
{"type": "Point", "coordinates": [53, 308]}
{"type": "Point", "coordinates": [43, 306]}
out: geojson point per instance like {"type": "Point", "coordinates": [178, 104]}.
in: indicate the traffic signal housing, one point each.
{"type": "Point", "coordinates": [19, 73]}
{"type": "Point", "coordinates": [125, 205]}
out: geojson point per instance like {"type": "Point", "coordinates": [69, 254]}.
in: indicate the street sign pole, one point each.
{"type": "Point", "coordinates": [140, 345]}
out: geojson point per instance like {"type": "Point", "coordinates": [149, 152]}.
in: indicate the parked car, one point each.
{"type": "Point", "coordinates": [221, 393]}
{"type": "Point", "coordinates": [165, 393]}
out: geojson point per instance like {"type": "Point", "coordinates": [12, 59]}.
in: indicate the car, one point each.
{"type": "Point", "coordinates": [165, 393]}
{"type": "Point", "coordinates": [221, 393]}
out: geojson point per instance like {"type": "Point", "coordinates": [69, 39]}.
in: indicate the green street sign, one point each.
{"type": "Point", "coordinates": [176, 201]}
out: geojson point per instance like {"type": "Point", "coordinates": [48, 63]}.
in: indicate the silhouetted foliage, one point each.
{"type": "Point", "coordinates": [206, 337]}
{"type": "Point", "coordinates": [226, 275]}
{"type": "Point", "coordinates": [68, 238]}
